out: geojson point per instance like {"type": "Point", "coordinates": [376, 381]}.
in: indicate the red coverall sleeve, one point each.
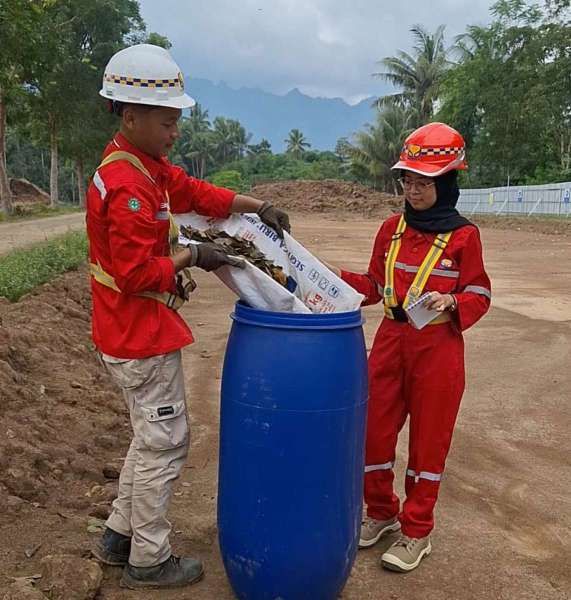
{"type": "Point", "coordinates": [371, 283]}
{"type": "Point", "coordinates": [188, 194]}
{"type": "Point", "coordinates": [132, 236]}
{"type": "Point", "coordinates": [475, 291]}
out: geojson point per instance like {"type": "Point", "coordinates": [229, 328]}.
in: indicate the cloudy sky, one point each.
{"type": "Point", "coordinates": [323, 47]}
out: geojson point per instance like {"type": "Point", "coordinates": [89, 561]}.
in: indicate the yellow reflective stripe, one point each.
{"type": "Point", "coordinates": [390, 298]}
{"type": "Point", "coordinates": [426, 268]}
{"type": "Point", "coordinates": [130, 158]}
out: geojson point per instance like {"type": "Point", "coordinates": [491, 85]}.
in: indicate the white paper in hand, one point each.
{"type": "Point", "coordinates": [420, 316]}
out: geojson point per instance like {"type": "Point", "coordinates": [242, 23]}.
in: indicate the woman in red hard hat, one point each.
{"type": "Point", "coordinates": [418, 372]}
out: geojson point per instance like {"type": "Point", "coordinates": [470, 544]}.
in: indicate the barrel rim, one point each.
{"type": "Point", "coordinates": [280, 320]}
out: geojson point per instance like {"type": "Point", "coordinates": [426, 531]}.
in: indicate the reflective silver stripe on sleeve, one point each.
{"type": "Point", "coordinates": [162, 215]}
{"type": "Point", "coordinates": [383, 467]}
{"type": "Point", "coordinates": [424, 475]}
{"type": "Point", "coordinates": [98, 182]}
{"type": "Point", "coordinates": [476, 289]}
{"type": "Point", "coordinates": [437, 272]}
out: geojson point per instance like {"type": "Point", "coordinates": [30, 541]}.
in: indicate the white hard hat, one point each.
{"type": "Point", "coordinates": [145, 74]}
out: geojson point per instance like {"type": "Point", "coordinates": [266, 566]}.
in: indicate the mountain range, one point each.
{"type": "Point", "coordinates": [265, 115]}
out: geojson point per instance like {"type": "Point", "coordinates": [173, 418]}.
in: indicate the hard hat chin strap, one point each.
{"type": "Point", "coordinates": [115, 107]}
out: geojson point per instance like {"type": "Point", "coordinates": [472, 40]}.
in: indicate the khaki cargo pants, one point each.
{"type": "Point", "coordinates": [154, 392]}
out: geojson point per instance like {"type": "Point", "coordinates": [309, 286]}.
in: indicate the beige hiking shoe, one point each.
{"type": "Point", "coordinates": [372, 530]}
{"type": "Point", "coordinates": [406, 553]}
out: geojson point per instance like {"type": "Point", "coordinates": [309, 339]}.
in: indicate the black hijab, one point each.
{"type": "Point", "coordinates": [443, 216]}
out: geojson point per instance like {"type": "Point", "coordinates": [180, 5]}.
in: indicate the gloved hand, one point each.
{"type": "Point", "coordinates": [209, 256]}
{"type": "Point", "coordinates": [275, 218]}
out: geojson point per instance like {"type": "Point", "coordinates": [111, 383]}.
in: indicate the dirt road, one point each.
{"type": "Point", "coordinates": [504, 516]}
{"type": "Point", "coordinates": [22, 233]}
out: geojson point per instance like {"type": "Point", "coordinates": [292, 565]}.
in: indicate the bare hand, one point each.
{"type": "Point", "coordinates": [439, 302]}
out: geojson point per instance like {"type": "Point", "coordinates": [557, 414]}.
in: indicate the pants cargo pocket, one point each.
{"type": "Point", "coordinates": [165, 426]}
{"type": "Point", "coordinates": [133, 373]}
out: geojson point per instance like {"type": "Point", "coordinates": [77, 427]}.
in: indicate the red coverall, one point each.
{"type": "Point", "coordinates": [419, 373]}
{"type": "Point", "coordinates": [128, 229]}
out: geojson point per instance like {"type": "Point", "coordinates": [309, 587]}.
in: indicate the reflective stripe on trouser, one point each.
{"type": "Point", "coordinates": [418, 374]}
{"type": "Point", "coordinates": [154, 393]}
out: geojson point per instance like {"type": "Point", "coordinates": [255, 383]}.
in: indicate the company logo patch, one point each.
{"type": "Point", "coordinates": [165, 411]}
{"type": "Point", "coordinates": [446, 263]}
{"type": "Point", "coordinates": [413, 150]}
{"type": "Point", "coordinates": [134, 204]}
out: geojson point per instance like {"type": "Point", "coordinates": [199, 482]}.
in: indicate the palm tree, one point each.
{"type": "Point", "coordinates": [377, 148]}
{"type": "Point", "coordinates": [223, 138]}
{"type": "Point", "coordinates": [264, 147]}
{"type": "Point", "coordinates": [418, 75]}
{"type": "Point", "coordinates": [297, 144]}
{"type": "Point", "coordinates": [200, 152]}
{"type": "Point", "coordinates": [198, 120]}
{"type": "Point", "coordinates": [240, 139]}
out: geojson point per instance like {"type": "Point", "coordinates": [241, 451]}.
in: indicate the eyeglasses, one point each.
{"type": "Point", "coordinates": [408, 184]}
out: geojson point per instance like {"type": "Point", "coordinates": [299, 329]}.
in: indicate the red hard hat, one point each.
{"type": "Point", "coordinates": [433, 150]}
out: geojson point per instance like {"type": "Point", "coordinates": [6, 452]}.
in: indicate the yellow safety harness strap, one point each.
{"type": "Point", "coordinates": [130, 158]}
{"type": "Point", "coordinates": [426, 268]}
{"type": "Point", "coordinates": [389, 293]}
{"type": "Point", "coordinates": [174, 301]}
{"type": "Point", "coordinates": [419, 283]}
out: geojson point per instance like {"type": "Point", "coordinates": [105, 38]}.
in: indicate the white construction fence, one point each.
{"type": "Point", "coordinates": [552, 199]}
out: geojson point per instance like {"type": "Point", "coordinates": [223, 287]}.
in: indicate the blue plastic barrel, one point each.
{"type": "Point", "coordinates": [292, 427]}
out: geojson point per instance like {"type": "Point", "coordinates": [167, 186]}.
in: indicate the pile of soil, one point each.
{"type": "Point", "coordinates": [25, 192]}
{"type": "Point", "coordinates": [61, 419]}
{"type": "Point", "coordinates": [328, 195]}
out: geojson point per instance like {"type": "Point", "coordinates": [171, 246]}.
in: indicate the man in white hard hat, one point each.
{"type": "Point", "coordinates": [137, 287]}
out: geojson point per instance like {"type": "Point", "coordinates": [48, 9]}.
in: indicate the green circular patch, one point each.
{"type": "Point", "coordinates": [134, 204]}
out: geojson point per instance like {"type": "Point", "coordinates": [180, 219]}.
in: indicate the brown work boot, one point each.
{"type": "Point", "coordinates": [372, 530]}
{"type": "Point", "coordinates": [406, 553]}
{"type": "Point", "coordinates": [175, 572]}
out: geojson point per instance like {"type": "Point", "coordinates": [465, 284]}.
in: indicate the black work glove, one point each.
{"type": "Point", "coordinates": [275, 218]}
{"type": "Point", "coordinates": [209, 256]}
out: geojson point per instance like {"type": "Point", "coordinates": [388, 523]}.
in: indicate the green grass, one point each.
{"type": "Point", "coordinates": [23, 270]}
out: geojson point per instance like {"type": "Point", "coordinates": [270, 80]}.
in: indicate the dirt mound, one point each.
{"type": "Point", "coordinates": [328, 196]}
{"type": "Point", "coordinates": [60, 416]}
{"type": "Point", "coordinates": [25, 192]}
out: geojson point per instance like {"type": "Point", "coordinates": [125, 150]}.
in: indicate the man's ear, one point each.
{"type": "Point", "coordinates": [129, 117]}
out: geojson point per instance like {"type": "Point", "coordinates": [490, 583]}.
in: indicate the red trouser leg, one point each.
{"type": "Point", "coordinates": [434, 366]}
{"type": "Point", "coordinates": [386, 416]}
